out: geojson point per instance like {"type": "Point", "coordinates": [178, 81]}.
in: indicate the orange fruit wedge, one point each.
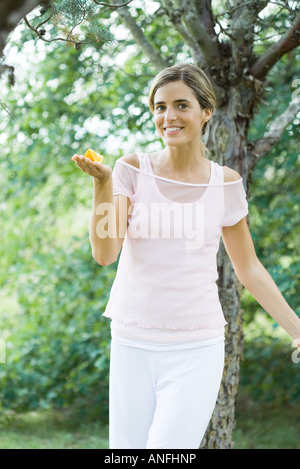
{"type": "Point", "coordinates": [94, 156]}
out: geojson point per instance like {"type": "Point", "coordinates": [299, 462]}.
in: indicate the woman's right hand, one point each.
{"type": "Point", "coordinates": [100, 171]}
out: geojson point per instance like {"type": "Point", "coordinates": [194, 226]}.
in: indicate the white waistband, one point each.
{"type": "Point", "coordinates": [167, 346]}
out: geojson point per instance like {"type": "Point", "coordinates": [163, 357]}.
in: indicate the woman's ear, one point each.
{"type": "Point", "coordinates": [207, 114]}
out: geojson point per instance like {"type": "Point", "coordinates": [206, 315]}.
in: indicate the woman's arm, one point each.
{"type": "Point", "coordinates": [255, 278]}
{"type": "Point", "coordinates": [108, 222]}
{"type": "Point", "coordinates": [110, 213]}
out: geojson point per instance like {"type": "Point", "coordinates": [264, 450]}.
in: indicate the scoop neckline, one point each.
{"type": "Point", "coordinates": [198, 200]}
{"type": "Point", "coordinates": [184, 183]}
{"type": "Point", "coordinates": [174, 181]}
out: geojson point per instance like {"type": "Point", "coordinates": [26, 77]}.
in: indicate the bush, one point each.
{"type": "Point", "coordinates": [59, 353]}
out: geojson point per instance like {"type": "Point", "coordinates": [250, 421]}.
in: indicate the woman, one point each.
{"type": "Point", "coordinates": [168, 211]}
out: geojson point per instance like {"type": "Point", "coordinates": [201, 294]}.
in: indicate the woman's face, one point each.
{"type": "Point", "coordinates": [178, 116]}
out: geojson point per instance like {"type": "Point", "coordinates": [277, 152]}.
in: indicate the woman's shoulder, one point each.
{"type": "Point", "coordinates": [230, 174]}
{"type": "Point", "coordinates": [131, 159]}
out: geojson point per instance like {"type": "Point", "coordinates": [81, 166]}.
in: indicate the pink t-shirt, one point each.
{"type": "Point", "coordinates": [165, 287]}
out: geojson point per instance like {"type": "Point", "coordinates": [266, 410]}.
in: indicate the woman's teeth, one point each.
{"type": "Point", "coordinates": [172, 129]}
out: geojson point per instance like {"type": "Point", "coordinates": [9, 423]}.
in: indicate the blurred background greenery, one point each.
{"type": "Point", "coordinates": [52, 292]}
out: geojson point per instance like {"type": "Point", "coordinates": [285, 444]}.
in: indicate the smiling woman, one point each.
{"type": "Point", "coordinates": [169, 210]}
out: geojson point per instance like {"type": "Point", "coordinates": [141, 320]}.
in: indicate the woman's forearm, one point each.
{"type": "Point", "coordinates": [103, 227]}
{"type": "Point", "coordinates": [262, 287]}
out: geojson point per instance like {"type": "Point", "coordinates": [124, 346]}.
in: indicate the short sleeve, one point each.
{"type": "Point", "coordinates": [123, 181]}
{"type": "Point", "coordinates": [235, 203]}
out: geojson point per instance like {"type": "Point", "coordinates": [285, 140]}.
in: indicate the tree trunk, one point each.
{"type": "Point", "coordinates": [227, 142]}
{"type": "Point", "coordinates": [219, 432]}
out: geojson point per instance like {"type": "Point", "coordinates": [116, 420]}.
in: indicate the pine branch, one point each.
{"type": "Point", "coordinates": [260, 147]}
{"type": "Point", "coordinates": [68, 16]}
{"type": "Point", "coordinates": [69, 39]}
{"type": "Point", "coordinates": [290, 41]}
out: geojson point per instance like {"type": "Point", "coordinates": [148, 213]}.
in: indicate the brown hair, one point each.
{"type": "Point", "coordinates": [193, 77]}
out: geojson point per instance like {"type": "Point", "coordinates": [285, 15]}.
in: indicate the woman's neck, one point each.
{"type": "Point", "coordinates": [182, 160]}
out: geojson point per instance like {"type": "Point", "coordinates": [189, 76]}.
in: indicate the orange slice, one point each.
{"type": "Point", "coordinates": [94, 156]}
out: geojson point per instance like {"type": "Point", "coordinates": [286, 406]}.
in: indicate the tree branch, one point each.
{"type": "Point", "coordinates": [286, 44]}
{"type": "Point", "coordinates": [68, 39]}
{"type": "Point", "coordinates": [175, 16]}
{"type": "Point", "coordinates": [149, 50]}
{"type": "Point", "coordinates": [11, 13]}
{"type": "Point", "coordinates": [194, 17]}
{"type": "Point", "coordinates": [244, 16]}
{"type": "Point", "coordinates": [208, 20]}
{"type": "Point", "coordinates": [260, 147]}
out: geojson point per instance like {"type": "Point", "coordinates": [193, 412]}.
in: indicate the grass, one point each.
{"type": "Point", "coordinates": [258, 427]}
{"type": "Point", "coordinates": [51, 430]}
{"type": "Point", "coordinates": [267, 426]}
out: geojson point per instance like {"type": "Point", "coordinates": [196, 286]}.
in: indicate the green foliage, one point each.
{"type": "Point", "coordinates": [57, 345]}
{"type": "Point", "coordinates": [52, 292]}
{"type": "Point", "coordinates": [267, 370]}
{"type": "Point", "coordinates": [77, 21]}
{"type": "Point", "coordinates": [276, 379]}
{"type": "Point", "coordinates": [266, 426]}
{"type": "Point", "coordinates": [60, 350]}
{"type": "Point", "coordinates": [275, 195]}
{"type": "Point", "coordinates": [74, 12]}
{"type": "Point", "coordinates": [270, 368]}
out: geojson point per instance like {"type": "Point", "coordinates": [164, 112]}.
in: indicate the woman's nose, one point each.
{"type": "Point", "coordinates": [170, 114]}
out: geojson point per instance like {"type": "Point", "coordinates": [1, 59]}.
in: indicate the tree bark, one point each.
{"type": "Point", "coordinates": [11, 13]}
{"type": "Point", "coordinates": [220, 429]}
{"type": "Point", "coordinates": [227, 142]}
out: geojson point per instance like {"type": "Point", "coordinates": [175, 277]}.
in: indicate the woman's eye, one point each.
{"type": "Point", "coordinates": [162, 108]}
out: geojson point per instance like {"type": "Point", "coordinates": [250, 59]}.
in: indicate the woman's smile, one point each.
{"type": "Point", "coordinates": [172, 130]}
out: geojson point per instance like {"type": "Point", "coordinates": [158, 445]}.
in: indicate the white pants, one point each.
{"type": "Point", "coordinates": [163, 396]}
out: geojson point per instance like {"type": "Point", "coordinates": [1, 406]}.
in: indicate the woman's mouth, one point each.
{"type": "Point", "coordinates": [172, 130]}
